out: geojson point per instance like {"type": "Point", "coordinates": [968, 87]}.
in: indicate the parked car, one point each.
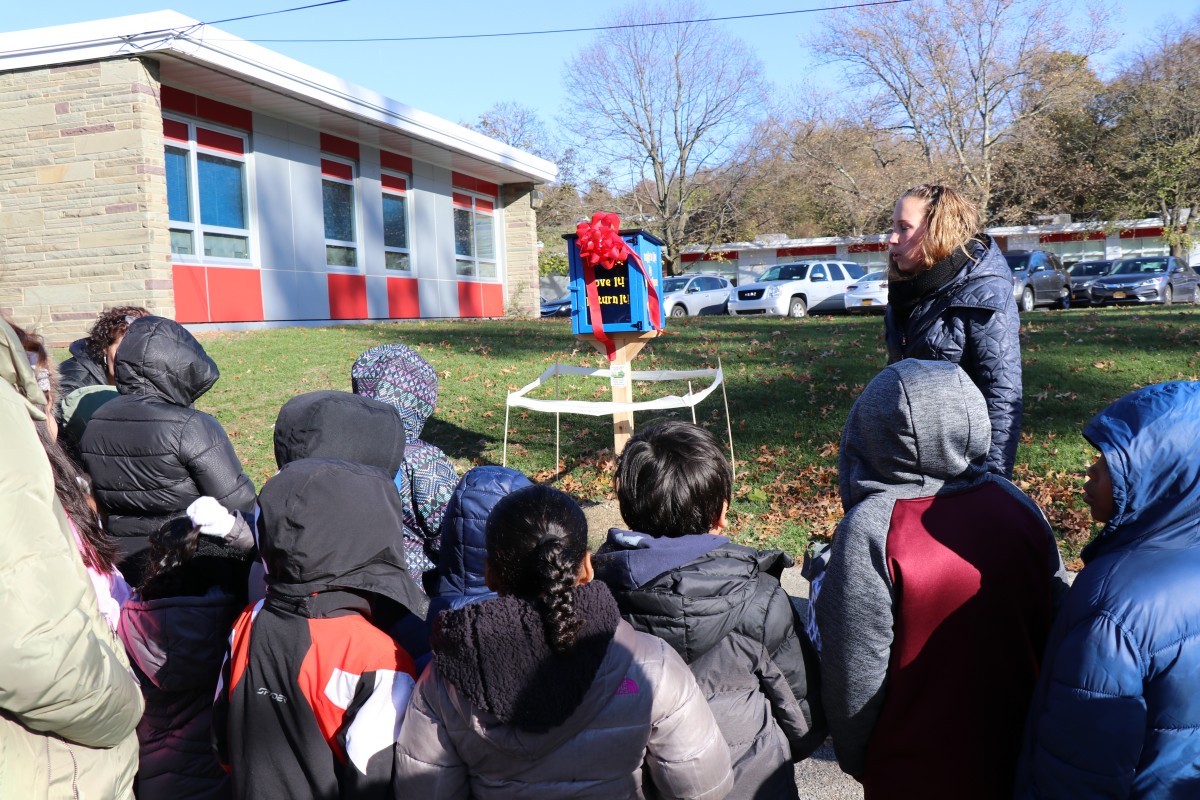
{"type": "Point", "coordinates": [1038, 279]}
{"type": "Point", "coordinates": [693, 295]}
{"type": "Point", "coordinates": [796, 289]}
{"type": "Point", "coordinates": [1152, 279]}
{"type": "Point", "coordinates": [557, 308]}
{"type": "Point", "coordinates": [868, 293]}
{"type": "Point", "coordinates": [1083, 274]}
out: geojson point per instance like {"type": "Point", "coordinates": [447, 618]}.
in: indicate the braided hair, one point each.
{"type": "Point", "coordinates": [536, 545]}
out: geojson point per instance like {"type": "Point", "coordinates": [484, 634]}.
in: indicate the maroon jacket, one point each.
{"type": "Point", "coordinates": [939, 595]}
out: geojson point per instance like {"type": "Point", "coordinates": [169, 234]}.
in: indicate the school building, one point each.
{"type": "Point", "coordinates": [1071, 242]}
{"type": "Point", "coordinates": [152, 160]}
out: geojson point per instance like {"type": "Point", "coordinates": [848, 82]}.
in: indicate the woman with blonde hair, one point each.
{"type": "Point", "coordinates": [950, 299]}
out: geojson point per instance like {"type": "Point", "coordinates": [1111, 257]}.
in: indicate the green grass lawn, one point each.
{"type": "Point", "coordinates": [790, 386]}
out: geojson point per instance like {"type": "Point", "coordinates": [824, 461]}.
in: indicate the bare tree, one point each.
{"type": "Point", "coordinates": [1156, 147]}
{"type": "Point", "coordinates": [957, 75]}
{"type": "Point", "coordinates": [669, 102]}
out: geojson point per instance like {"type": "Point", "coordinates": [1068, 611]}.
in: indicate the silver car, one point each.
{"type": "Point", "coordinates": [794, 290]}
{"type": "Point", "coordinates": [868, 293]}
{"type": "Point", "coordinates": [1152, 279]}
{"type": "Point", "coordinates": [694, 295]}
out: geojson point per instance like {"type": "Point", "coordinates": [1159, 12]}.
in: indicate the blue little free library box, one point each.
{"type": "Point", "coordinates": [624, 295]}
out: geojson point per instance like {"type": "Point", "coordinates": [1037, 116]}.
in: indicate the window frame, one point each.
{"type": "Point", "coordinates": [193, 149]}
{"type": "Point", "coordinates": [355, 213]}
{"type": "Point", "coordinates": [474, 211]}
{"type": "Point", "coordinates": [406, 195]}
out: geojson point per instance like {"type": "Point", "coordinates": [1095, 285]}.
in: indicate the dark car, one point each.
{"type": "Point", "coordinates": [557, 308]}
{"type": "Point", "coordinates": [1083, 274]}
{"type": "Point", "coordinates": [1151, 279]}
{"type": "Point", "coordinates": [1038, 279]}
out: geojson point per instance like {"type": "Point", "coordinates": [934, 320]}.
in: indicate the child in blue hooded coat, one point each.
{"type": "Point", "coordinates": [1116, 711]}
{"type": "Point", "coordinates": [460, 573]}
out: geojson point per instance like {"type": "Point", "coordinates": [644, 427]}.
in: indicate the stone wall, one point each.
{"type": "Point", "coordinates": [520, 250]}
{"type": "Point", "coordinates": [83, 196]}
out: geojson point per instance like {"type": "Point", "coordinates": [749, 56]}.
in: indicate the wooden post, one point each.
{"type": "Point", "coordinates": [628, 345]}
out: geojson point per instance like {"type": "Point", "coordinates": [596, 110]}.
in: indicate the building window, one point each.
{"type": "Point", "coordinates": [337, 194]}
{"type": "Point", "coordinates": [395, 222]}
{"type": "Point", "coordinates": [206, 191]}
{"type": "Point", "coordinates": [474, 236]}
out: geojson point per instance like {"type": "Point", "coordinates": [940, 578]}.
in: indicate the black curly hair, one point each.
{"type": "Point", "coordinates": [109, 327]}
{"type": "Point", "coordinates": [536, 544]}
{"type": "Point", "coordinates": [182, 563]}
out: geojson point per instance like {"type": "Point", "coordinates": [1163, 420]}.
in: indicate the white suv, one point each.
{"type": "Point", "coordinates": [796, 289]}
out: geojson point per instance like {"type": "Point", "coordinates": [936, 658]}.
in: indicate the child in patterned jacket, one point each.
{"type": "Point", "coordinates": [399, 376]}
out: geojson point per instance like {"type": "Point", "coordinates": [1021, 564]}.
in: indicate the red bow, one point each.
{"type": "Point", "coordinates": [599, 241]}
{"type": "Point", "coordinates": [601, 245]}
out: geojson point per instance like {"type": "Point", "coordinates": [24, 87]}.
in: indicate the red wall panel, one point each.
{"type": "Point", "coordinates": [347, 296]}
{"type": "Point", "coordinates": [404, 300]}
{"type": "Point", "coordinates": [470, 299]}
{"type": "Point", "coordinates": [235, 295]}
{"type": "Point", "coordinates": [191, 293]}
{"type": "Point", "coordinates": [339, 146]}
{"type": "Point", "coordinates": [392, 161]}
{"type": "Point", "coordinates": [812, 250]}
{"type": "Point", "coordinates": [493, 299]}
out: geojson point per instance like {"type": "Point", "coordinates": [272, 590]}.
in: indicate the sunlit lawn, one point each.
{"type": "Point", "coordinates": [790, 385]}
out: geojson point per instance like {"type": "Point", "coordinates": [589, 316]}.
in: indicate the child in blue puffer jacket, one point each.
{"type": "Point", "coordinates": [460, 579]}
{"type": "Point", "coordinates": [1116, 712]}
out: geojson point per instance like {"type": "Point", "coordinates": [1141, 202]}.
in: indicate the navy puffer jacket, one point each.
{"type": "Point", "coordinates": [972, 321]}
{"type": "Point", "coordinates": [460, 578]}
{"type": "Point", "coordinates": [177, 645]}
{"type": "Point", "coordinates": [1116, 712]}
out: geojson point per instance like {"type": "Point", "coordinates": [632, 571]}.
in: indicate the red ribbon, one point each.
{"type": "Point", "coordinates": [601, 245]}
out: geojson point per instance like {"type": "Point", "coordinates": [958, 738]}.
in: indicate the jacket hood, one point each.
{"type": "Point", "coordinates": [628, 560]}
{"type": "Point", "coordinates": [179, 642]}
{"type": "Point", "coordinates": [697, 601]}
{"type": "Point", "coordinates": [463, 529]}
{"type": "Point", "coordinates": [398, 376]}
{"type": "Point", "coordinates": [16, 372]}
{"type": "Point", "coordinates": [1149, 442]}
{"type": "Point", "coordinates": [159, 358]}
{"type": "Point", "coordinates": [79, 352]}
{"type": "Point", "coordinates": [341, 425]}
{"type": "Point", "coordinates": [496, 654]}
{"type": "Point", "coordinates": [331, 525]}
{"type": "Point", "coordinates": [917, 427]}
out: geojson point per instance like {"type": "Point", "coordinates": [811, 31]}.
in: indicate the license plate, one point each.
{"type": "Point", "coordinates": [867, 302]}
{"type": "Point", "coordinates": [1118, 295]}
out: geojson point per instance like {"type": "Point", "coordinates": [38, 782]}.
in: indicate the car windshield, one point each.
{"type": "Point", "coordinates": [1017, 263]}
{"type": "Point", "coordinates": [1136, 266]}
{"type": "Point", "coordinates": [671, 285]}
{"type": "Point", "coordinates": [874, 276]}
{"type": "Point", "coordinates": [785, 272]}
{"type": "Point", "coordinates": [1090, 269]}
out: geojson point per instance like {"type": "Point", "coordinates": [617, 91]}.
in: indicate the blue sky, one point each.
{"type": "Point", "coordinates": [459, 80]}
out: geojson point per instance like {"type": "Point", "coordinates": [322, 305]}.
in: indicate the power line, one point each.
{"type": "Point", "coordinates": [587, 30]}
{"type": "Point", "coordinates": [173, 32]}
{"type": "Point", "coordinates": [270, 13]}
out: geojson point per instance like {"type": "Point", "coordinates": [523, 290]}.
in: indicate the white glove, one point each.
{"type": "Point", "coordinates": [212, 518]}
